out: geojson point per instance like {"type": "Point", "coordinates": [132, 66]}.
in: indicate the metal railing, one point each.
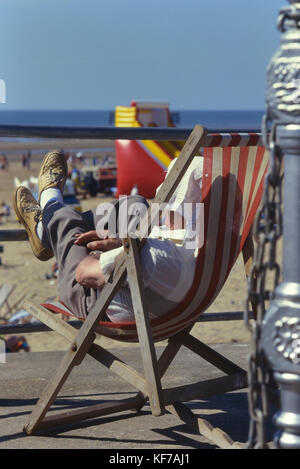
{"type": "Point", "coordinates": [111, 133]}
{"type": "Point", "coordinates": [7, 329]}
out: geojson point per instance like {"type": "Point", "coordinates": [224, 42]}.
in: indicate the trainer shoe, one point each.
{"type": "Point", "coordinates": [53, 172]}
{"type": "Point", "coordinates": [29, 213]}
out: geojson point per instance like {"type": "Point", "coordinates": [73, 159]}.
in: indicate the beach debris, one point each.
{"type": "Point", "coordinates": [52, 276]}
{"type": "Point", "coordinates": [16, 343]}
{"type": "Point", "coordinates": [31, 184]}
{"type": "Point", "coordinates": [21, 317]}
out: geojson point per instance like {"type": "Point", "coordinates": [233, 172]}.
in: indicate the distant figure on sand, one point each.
{"type": "Point", "coordinates": [4, 211]}
{"type": "Point", "coordinates": [3, 162]}
{"type": "Point", "coordinates": [28, 159]}
{"type": "Point", "coordinates": [23, 159]}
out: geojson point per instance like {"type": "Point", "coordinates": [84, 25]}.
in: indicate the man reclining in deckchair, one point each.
{"type": "Point", "coordinates": [57, 229]}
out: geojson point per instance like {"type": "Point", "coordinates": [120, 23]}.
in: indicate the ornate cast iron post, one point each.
{"type": "Point", "coordinates": [281, 324]}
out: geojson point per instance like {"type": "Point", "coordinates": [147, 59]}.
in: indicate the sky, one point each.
{"type": "Point", "coordinates": [96, 54]}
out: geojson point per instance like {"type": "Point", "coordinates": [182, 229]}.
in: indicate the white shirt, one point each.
{"type": "Point", "coordinates": [168, 267]}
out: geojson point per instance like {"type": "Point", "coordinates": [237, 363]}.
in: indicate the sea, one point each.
{"type": "Point", "coordinates": [212, 120]}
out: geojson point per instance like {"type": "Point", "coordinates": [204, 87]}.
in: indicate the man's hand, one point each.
{"type": "Point", "coordinates": [100, 241]}
{"type": "Point", "coordinates": [88, 273]}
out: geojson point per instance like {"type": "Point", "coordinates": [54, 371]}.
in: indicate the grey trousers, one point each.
{"type": "Point", "coordinates": [61, 223]}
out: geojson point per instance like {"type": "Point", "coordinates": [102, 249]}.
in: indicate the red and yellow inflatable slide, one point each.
{"type": "Point", "coordinates": [142, 163]}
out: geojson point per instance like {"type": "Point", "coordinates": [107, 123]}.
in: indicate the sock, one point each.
{"type": "Point", "coordinates": [40, 230]}
{"type": "Point", "coordinates": [50, 194]}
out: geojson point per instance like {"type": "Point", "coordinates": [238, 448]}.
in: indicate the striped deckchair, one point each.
{"type": "Point", "coordinates": [233, 174]}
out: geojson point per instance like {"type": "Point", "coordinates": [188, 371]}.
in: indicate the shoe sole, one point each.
{"type": "Point", "coordinates": [46, 253]}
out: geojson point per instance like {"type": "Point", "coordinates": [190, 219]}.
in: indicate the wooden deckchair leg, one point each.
{"type": "Point", "coordinates": [74, 355]}
{"type": "Point", "coordinates": [143, 326]}
{"type": "Point", "coordinates": [170, 352]}
{"type": "Point", "coordinates": [106, 358]}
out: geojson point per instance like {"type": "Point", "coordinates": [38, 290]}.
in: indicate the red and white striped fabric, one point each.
{"type": "Point", "coordinates": [231, 192]}
{"type": "Point", "coordinates": [233, 140]}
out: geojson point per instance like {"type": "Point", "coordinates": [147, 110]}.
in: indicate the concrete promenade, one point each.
{"type": "Point", "coordinates": [23, 377]}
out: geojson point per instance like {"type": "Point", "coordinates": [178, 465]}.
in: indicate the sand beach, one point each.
{"type": "Point", "coordinates": [28, 275]}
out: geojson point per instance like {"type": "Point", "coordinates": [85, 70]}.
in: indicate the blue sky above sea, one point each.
{"type": "Point", "coordinates": [95, 55]}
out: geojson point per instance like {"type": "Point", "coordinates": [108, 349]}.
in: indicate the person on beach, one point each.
{"type": "Point", "coordinates": [4, 211]}
{"type": "Point", "coordinates": [85, 254]}
{"type": "Point", "coordinates": [28, 159]}
{"type": "Point", "coordinates": [3, 162]}
{"type": "Point", "coordinates": [23, 160]}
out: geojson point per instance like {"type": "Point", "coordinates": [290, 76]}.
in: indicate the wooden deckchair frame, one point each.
{"type": "Point", "coordinates": [148, 385]}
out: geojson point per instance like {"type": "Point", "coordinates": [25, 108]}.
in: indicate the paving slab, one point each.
{"type": "Point", "coordinates": [24, 376]}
